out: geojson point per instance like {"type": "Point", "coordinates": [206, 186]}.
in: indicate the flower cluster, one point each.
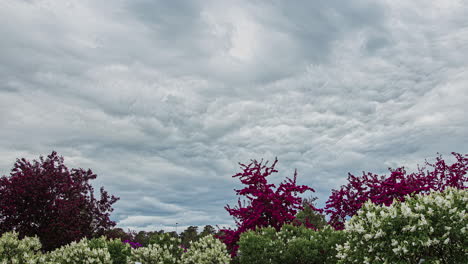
{"type": "Point", "coordinates": [154, 254]}
{"type": "Point", "coordinates": [78, 253]}
{"type": "Point", "coordinates": [207, 250]}
{"type": "Point", "coordinates": [266, 206]}
{"type": "Point", "coordinates": [14, 250]}
{"type": "Point", "coordinates": [346, 201]}
{"type": "Point", "coordinates": [165, 240]}
{"type": "Point", "coordinates": [101, 250]}
{"type": "Point", "coordinates": [132, 244]}
{"type": "Point", "coordinates": [424, 227]}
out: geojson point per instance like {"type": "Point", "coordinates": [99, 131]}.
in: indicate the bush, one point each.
{"type": "Point", "coordinates": [14, 250]}
{"type": "Point", "coordinates": [426, 227]}
{"type": "Point", "coordinates": [155, 254]}
{"type": "Point", "coordinates": [168, 241]}
{"type": "Point", "coordinates": [79, 253]}
{"type": "Point", "coordinates": [207, 250]}
{"type": "Point", "coordinates": [292, 244]}
{"type": "Point", "coordinates": [119, 251]}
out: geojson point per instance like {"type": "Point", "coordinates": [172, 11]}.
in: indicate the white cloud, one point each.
{"type": "Point", "coordinates": [162, 99]}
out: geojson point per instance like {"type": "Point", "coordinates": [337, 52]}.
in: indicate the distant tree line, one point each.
{"type": "Point", "coordinates": [145, 238]}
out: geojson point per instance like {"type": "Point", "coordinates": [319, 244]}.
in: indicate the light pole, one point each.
{"type": "Point", "coordinates": [176, 228]}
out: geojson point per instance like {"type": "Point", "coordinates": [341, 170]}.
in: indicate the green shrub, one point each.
{"type": "Point", "coordinates": [20, 251]}
{"type": "Point", "coordinates": [207, 250]}
{"type": "Point", "coordinates": [291, 245]}
{"type": "Point", "coordinates": [309, 246]}
{"type": "Point", "coordinates": [119, 251]}
{"type": "Point", "coordinates": [426, 228]}
{"type": "Point", "coordinates": [260, 246]}
{"type": "Point", "coordinates": [79, 253]}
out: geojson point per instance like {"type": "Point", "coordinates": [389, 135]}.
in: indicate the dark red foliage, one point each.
{"type": "Point", "coordinates": [265, 207]}
{"type": "Point", "coordinates": [47, 200]}
{"type": "Point", "coordinates": [381, 190]}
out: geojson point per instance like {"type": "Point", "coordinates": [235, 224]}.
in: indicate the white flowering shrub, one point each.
{"type": "Point", "coordinates": [78, 253]}
{"type": "Point", "coordinates": [207, 250]}
{"type": "Point", "coordinates": [169, 242]}
{"type": "Point", "coordinates": [19, 251]}
{"type": "Point", "coordinates": [155, 254]}
{"type": "Point", "coordinates": [423, 229]}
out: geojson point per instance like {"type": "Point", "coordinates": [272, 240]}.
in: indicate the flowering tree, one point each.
{"type": "Point", "coordinates": [47, 200]}
{"type": "Point", "coordinates": [265, 207]}
{"type": "Point", "coordinates": [346, 201]}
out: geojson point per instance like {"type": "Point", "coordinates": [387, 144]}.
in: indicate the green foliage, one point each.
{"type": "Point", "coordinates": [309, 215]}
{"type": "Point", "coordinates": [95, 243]}
{"type": "Point", "coordinates": [143, 237]}
{"type": "Point", "coordinates": [118, 233]}
{"type": "Point", "coordinates": [425, 227]}
{"type": "Point", "coordinates": [207, 230]}
{"type": "Point", "coordinates": [118, 251]}
{"type": "Point", "coordinates": [308, 246]}
{"type": "Point", "coordinates": [208, 250]}
{"type": "Point", "coordinates": [291, 245]}
{"type": "Point", "coordinates": [14, 250]}
{"type": "Point", "coordinates": [189, 235]}
{"type": "Point", "coordinates": [258, 247]}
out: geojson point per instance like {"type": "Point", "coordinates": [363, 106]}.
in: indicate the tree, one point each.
{"type": "Point", "coordinates": [310, 216]}
{"type": "Point", "coordinates": [265, 207]}
{"type": "Point", "coordinates": [47, 200]}
{"type": "Point", "coordinates": [119, 233]}
{"type": "Point", "coordinates": [189, 234]}
{"type": "Point", "coordinates": [144, 237]}
{"type": "Point", "coordinates": [382, 190]}
{"type": "Point", "coordinates": [207, 230]}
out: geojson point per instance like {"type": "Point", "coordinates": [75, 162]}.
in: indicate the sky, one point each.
{"type": "Point", "coordinates": [163, 99]}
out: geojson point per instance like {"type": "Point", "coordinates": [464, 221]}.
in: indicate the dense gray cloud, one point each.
{"type": "Point", "coordinates": [161, 99]}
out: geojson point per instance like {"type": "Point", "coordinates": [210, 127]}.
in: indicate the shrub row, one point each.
{"type": "Point", "coordinates": [208, 250]}
{"type": "Point", "coordinates": [292, 244]}
{"type": "Point", "coordinates": [423, 229]}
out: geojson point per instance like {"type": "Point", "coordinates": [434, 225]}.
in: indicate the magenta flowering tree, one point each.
{"type": "Point", "coordinates": [382, 190]}
{"type": "Point", "coordinates": [265, 206]}
{"type": "Point", "coordinates": [47, 200]}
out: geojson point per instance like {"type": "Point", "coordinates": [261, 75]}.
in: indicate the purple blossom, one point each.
{"type": "Point", "coordinates": [346, 201]}
{"type": "Point", "coordinates": [132, 244]}
{"type": "Point", "coordinates": [266, 207]}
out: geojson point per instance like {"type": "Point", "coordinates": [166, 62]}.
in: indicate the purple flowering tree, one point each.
{"type": "Point", "coordinates": [382, 190]}
{"type": "Point", "coordinates": [46, 199]}
{"type": "Point", "coordinates": [266, 206]}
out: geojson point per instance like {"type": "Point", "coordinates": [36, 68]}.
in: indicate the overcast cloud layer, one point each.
{"type": "Point", "coordinates": [162, 99]}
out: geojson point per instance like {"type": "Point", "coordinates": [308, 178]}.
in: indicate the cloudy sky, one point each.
{"type": "Point", "coordinates": [162, 99]}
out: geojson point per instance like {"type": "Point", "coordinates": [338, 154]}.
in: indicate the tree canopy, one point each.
{"type": "Point", "coordinates": [46, 199]}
